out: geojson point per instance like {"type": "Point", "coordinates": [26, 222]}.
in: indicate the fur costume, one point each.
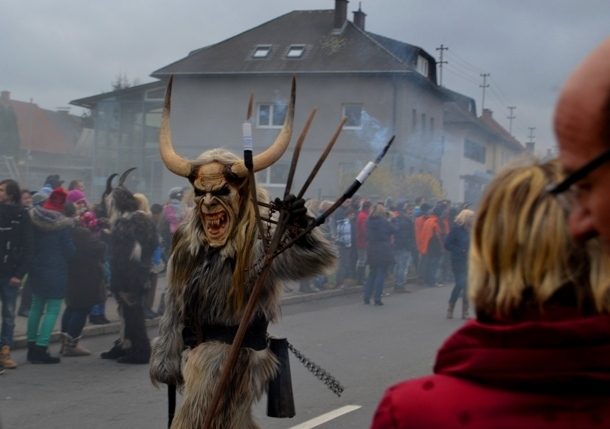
{"type": "Point", "coordinates": [210, 279]}
{"type": "Point", "coordinates": [133, 239]}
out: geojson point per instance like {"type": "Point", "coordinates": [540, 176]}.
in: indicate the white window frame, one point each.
{"type": "Point", "coordinates": [261, 52]}
{"type": "Point", "coordinates": [422, 65]}
{"type": "Point", "coordinates": [272, 109]}
{"type": "Point", "coordinates": [348, 125]}
{"type": "Point", "coordinates": [295, 52]}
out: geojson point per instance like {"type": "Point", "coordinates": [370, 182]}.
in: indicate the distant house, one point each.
{"type": "Point", "coordinates": [36, 142]}
{"type": "Point", "coordinates": [383, 86]}
{"type": "Point", "coordinates": [475, 148]}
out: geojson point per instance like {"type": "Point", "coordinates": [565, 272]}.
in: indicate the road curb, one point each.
{"type": "Point", "coordinates": [20, 341]}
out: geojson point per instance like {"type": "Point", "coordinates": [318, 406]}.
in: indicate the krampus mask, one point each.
{"type": "Point", "coordinates": [218, 177]}
{"type": "Point", "coordinates": [118, 200]}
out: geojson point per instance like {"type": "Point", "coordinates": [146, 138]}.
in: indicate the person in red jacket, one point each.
{"type": "Point", "coordinates": [538, 354]}
{"type": "Point", "coordinates": [361, 240]}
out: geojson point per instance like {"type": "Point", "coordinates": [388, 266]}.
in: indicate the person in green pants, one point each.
{"type": "Point", "coordinates": [48, 275]}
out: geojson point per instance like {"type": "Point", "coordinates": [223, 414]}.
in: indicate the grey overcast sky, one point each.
{"type": "Point", "coordinates": [55, 51]}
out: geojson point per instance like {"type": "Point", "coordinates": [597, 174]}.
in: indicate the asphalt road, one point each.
{"type": "Point", "coordinates": [366, 347]}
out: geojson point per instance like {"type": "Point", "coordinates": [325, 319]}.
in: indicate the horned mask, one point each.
{"type": "Point", "coordinates": [217, 175]}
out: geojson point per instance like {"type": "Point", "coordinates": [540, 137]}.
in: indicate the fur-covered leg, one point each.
{"type": "Point", "coordinates": [202, 370]}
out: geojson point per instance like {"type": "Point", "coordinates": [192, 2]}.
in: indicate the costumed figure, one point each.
{"type": "Point", "coordinates": [211, 270]}
{"type": "Point", "coordinates": [133, 240]}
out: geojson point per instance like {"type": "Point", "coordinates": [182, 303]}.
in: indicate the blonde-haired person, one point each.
{"type": "Point", "coordinates": [538, 354]}
{"type": "Point", "coordinates": [151, 287]}
{"type": "Point", "coordinates": [457, 243]}
{"type": "Point", "coordinates": [143, 204]}
{"type": "Point", "coordinates": [379, 256]}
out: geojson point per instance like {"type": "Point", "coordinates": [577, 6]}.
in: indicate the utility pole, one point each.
{"type": "Point", "coordinates": [440, 62]}
{"type": "Point", "coordinates": [510, 118]}
{"type": "Point", "coordinates": [485, 85]}
{"type": "Point", "coordinates": [530, 144]}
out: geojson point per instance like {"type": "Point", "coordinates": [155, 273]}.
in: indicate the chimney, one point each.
{"type": "Point", "coordinates": [340, 13]}
{"type": "Point", "coordinates": [487, 113]}
{"type": "Point", "coordinates": [359, 17]}
{"type": "Point", "coordinates": [5, 96]}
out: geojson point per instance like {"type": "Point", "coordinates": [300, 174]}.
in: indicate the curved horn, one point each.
{"type": "Point", "coordinates": [277, 149]}
{"type": "Point", "coordinates": [109, 183]}
{"type": "Point", "coordinates": [174, 162]}
{"type": "Point", "coordinates": [124, 175]}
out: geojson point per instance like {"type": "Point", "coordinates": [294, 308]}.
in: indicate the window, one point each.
{"type": "Point", "coordinates": [261, 51]}
{"type": "Point", "coordinates": [423, 123]}
{"type": "Point", "coordinates": [271, 115]}
{"type": "Point", "coordinates": [431, 125]}
{"type": "Point", "coordinates": [422, 65]}
{"type": "Point", "coordinates": [353, 113]}
{"type": "Point", "coordinates": [414, 120]}
{"type": "Point", "coordinates": [295, 51]}
{"type": "Point", "coordinates": [474, 151]}
{"type": "Point", "coordinates": [273, 176]}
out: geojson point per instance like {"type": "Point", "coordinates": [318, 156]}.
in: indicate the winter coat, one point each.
{"type": "Point", "coordinates": [431, 236]}
{"type": "Point", "coordinates": [404, 237]}
{"type": "Point", "coordinates": [419, 227]}
{"type": "Point", "coordinates": [553, 372]}
{"type": "Point", "coordinates": [379, 235]}
{"type": "Point", "coordinates": [53, 248]}
{"type": "Point", "coordinates": [361, 238]}
{"type": "Point", "coordinates": [16, 243]}
{"type": "Point", "coordinates": [133, 233]}
{"type": "Point", "coordinates": [86, 270]}
{"type": "Point", "coordinates": [457, 244]}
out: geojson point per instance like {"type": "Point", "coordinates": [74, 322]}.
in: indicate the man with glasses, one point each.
{"type": "Point", "coordinates": [582, 125]}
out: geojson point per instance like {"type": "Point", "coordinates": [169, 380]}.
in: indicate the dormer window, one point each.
{"type": "Point", "coordinates": [295, 51]}
{"type": "Point", "coordinates": [261, 51]}
{"type": "Point", "coordinates": [422, 65]}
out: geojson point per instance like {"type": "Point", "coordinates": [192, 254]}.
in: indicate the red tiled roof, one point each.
{"type": "Point", "coordinates": [487, 119]}
{"type": "Point", "coordinates": [36, 131]}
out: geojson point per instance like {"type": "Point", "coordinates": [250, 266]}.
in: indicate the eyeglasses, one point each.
{"type": "Point", "coordinates": [565, 190]}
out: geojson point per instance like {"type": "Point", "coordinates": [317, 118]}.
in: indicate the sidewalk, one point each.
{"type": "Point", "coordinates": [290, 296]}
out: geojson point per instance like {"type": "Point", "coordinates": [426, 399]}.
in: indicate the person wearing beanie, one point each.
{"type": "Point", "coordinates": [53, 248]}
{"type": "Point", "coordinates": [79, 199]}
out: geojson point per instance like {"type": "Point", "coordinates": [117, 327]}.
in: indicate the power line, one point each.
{"type": "Point", "coordinates": [466, 63]}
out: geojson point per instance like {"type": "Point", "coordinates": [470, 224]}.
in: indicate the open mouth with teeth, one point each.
{"type": "Point", "coordinates": [216, 225]}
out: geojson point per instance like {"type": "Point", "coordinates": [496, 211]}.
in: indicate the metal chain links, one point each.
{"type": "Point", "coordinates": [321, 374]}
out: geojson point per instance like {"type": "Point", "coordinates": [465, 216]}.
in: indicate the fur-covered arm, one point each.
{"type": "Point", "coordinates": [311, 255]}
{"type": "Point", "coordinates": [166, 357]}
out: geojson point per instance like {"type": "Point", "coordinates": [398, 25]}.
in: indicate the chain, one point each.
{"type": "Point", "coordinates": [321, 374]}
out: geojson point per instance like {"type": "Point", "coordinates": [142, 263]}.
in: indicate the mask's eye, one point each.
{"type": "Point", "coordinates": [198, 192]}
{"type": "Point", "coordinates": [222, 192]}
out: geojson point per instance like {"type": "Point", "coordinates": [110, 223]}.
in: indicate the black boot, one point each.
{"type": "Point", "coordinates": [31, 345]}
{"type": "Point", "coordinates": [40, 354]}
{"type": "Point", "coordinates": [115, 352]}
{"type": "Point", "coordinates": [450, 310]}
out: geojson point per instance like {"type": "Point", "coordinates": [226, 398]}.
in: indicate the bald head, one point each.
{"type": "Point", "coordinates": [582, 125]}
{"type": "Point", "coordinates": [583, 110]}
